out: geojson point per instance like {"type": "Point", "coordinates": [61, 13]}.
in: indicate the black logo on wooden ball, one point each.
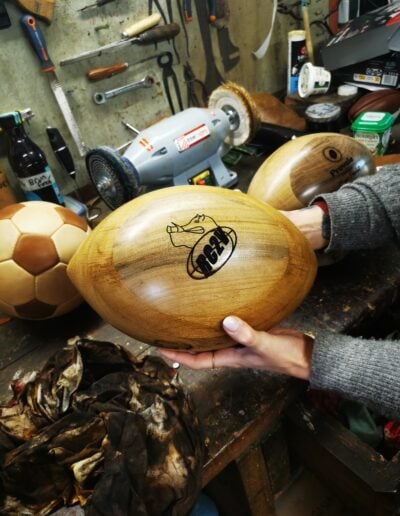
{"type": "Point", "coordinates": [210, 244]}
{"type": "Point", "coordinates": [332, 154]}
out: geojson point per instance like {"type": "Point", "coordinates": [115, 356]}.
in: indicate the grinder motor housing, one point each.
{"type": "Point", "coordinates": [186, 148]}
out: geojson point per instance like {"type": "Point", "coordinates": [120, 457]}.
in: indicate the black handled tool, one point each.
{"type": "Point", "coordinates": [161, 33]}
{"type": "Point", "coordinates": [61, 151]}
{"type": "Point", "coordinates": [5, 21]}
{"type": "Point", "coordinates": [99, 3]}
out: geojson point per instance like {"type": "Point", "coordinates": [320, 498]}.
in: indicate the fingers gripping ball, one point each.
{"type": "Point", "coordinates": [37, 241]}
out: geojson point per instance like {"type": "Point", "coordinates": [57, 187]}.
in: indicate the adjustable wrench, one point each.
{"type": "Point", "coordinates": [102, 97]}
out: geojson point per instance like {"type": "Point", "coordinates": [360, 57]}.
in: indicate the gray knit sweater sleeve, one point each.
{"type": "Point", "coordinates": [364, 215]}
{"type": "Point", "coordinates": [363, 370]}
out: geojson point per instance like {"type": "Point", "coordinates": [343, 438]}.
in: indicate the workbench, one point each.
{"type": "Point", "coordinates": [237, 408]}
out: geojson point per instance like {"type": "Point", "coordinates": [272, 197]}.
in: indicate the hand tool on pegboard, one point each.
{"type": "Point", "coordinates": [5, 21]}
{"type": "Point", "coordinates": [306, 23]}
{"type": "Point", "coordinates": [164, 61]}
{"type": "Point", "coordinates": [171, 20]}
{"type": "Point", "coordinates": [167, 20]}
{"type": "Point", "coordinates": [63, 155]}
{"type": "Point", "coordinates": [183, 24]}
{"type": "Point", "coordinates": [194, 87]}
{"type": "Point", "coordinates": [155, 35]}
{"type": "Point", "coordinates": [213, 77]}
{"type": "Point", "coordinates": [101, 97]}
{"type": "Point", "coordinates": [141, 25]}
{"type": "Point", "coordinates": [38, 42]}
{"type": "Point", "coordinates": [105, 72]}
{"type": "Point", "coordinates": [187, 10]}
{"type": "Point", "coordinates": [229, 52]}
{"type": "Point", "coordinates": [98, 3]}
{"type": "Point", "coordinates": [43, 9]}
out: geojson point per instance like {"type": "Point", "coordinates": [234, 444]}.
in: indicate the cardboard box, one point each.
{"type": "Point", "coordinates": [372, 35]}
{"type": "Point", "coordinates": [382, 71]}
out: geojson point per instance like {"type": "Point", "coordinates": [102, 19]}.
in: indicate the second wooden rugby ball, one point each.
{"type": "Point", "coordinates": [168, 266]}
{"type": "Point", "coordinates": [308, 166]}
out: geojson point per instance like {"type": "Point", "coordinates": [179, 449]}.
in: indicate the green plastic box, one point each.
{"type": "Point", "coordinates": [373, 129]}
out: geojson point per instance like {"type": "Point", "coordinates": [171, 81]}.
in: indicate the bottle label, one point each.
{"type": "Point", "coordinates": [32, 185]}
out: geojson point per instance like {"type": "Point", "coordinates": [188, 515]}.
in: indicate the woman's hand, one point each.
{"type": "Point", "coordinates": [279, 350]}
{"type": "Point", "coordinates": [309, 222]}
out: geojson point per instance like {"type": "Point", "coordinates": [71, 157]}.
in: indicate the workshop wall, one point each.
{"type": "Point", "coordinates": [23, 85]}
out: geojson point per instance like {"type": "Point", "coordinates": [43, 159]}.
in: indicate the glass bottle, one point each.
{"type": "Point", "coordinates": [29, 163]}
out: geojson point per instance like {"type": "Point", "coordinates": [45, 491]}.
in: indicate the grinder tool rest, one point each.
{"type": "Point", "coordinates": [186, 148]}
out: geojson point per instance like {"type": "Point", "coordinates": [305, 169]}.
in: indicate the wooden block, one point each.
{"type": "Point", "coordinates": [256, 482]}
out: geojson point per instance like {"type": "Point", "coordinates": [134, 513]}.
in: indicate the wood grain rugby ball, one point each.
{"type": "Point", "coordinates": [168, 266]}
{"type": "Point", "coordinates": [307, 166]}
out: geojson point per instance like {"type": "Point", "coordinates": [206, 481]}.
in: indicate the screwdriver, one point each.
{"type": "Point", "coordinates": [98, 3]}
{"type": "Point", "coordinates": [162, 33]}
{"type": "Point", "coordinates": [105, 72]}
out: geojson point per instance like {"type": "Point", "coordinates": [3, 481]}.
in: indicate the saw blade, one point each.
{"type": "Point", "coordinates": [231, 96]}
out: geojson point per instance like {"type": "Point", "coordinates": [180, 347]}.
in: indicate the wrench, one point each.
{"type": "Point", "coordinates": [102, 97]}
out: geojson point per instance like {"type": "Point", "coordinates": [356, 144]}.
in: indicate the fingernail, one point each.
{"type": "Point", "coordinates": [231, 323]}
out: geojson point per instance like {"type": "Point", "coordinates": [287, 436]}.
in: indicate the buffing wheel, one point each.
{"type": "Point", "coordinates": [234, 99]}
{"type": "Point", "coordinates": [113, 176]}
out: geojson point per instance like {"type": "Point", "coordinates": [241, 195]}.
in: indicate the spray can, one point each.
{"type": "Point", "coordinates": [297, 56]}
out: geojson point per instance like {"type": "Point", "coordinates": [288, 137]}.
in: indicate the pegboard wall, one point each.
{"type": "Point", "coordinates": [213, 55]}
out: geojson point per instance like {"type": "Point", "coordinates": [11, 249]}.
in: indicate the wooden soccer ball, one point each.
{"type": "Point", "coordinates": [307, 166]}
{"type": "Point", "coordinates": [168, 266]}
{"type": "Point", "coordinates": [37, 240]}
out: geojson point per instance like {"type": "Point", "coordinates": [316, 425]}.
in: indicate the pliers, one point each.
{"type": "Point", "coordinates": [164, 61]}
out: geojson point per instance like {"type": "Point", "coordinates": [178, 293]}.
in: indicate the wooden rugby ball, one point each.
{"type": "Point", "coordinates": [168, 266]}
{"type": "Point", "coordinates": [308, 166]}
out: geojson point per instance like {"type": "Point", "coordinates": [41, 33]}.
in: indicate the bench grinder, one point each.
{"type": "Point", "coordinates": [186, 148]}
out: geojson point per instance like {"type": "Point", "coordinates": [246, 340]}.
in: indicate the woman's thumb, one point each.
{"type": "Point", "coordinates": [239, 330]}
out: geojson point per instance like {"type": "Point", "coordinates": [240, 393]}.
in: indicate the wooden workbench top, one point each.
{"type": "Point", "coordinates": [235, 406]}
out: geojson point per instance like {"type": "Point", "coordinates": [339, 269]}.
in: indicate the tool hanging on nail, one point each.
{"type": "Point", "coordinates": [5, 21]}
{"type": "Point", "coordinates": [155, 35]}
{"type": "Point", "coordinates": [102, 97]}
{"type": "Point", "coordinates": [99, 3]}
{"type": "Point", "coordinates": [43, 9]}
{"type": "Point", "coordinates": [187, 10]}
{"type": "Point", "coordinates": [105, 72]}
{"type": "Point", "coordinates": [212, 11]}
{"type": "Point", "coordinates": [165, 63]}
{"type": "Point", "coordinates": [159, 8]}
{"type": "Point", "coordinates": [213, 78]}
{"type": "Point", "coordinates": [306, 23]}
{"type": "Point", "coordinates": [38, 42]}
{"type": "Point", "coordinates": [63, 155]}
{"type": "Point", "coordinates": [142, 25]}
{"type": "Point", "coordinates": [61, 151]}
{"type": "Point", "coordinates": [193, 84]}
{"type": "Point", "coordinates": [171, 20]}
{"type": "Point", "coordinates": [183, 24]}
